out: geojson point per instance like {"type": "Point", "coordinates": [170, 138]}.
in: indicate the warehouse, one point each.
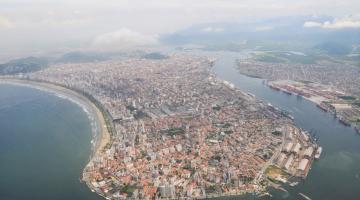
{"type": "Point", "coordinates": [281, 159]}
{"type": "Point", "coordinates": [297, 148]}
{"type": "Point", "coordinates": [289, 162]}
{"type": "Point", "coordinates": [288, 147]}
{"type": "Point", "coordinates": [309, 152]}
{"type": "Point", "coordinates": [302, 168]}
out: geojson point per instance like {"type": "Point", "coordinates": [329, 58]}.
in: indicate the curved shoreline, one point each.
{"type": "Point", "coordinates": [101, 136]}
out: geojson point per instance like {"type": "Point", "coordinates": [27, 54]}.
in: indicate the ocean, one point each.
{"type": "Point", "coordinates": [45, 142]}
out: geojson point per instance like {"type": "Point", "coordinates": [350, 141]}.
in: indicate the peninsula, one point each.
{"type": "Point", "coordinates": [173, 130]}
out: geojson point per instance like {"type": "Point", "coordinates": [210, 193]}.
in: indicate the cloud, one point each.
{"type": "Point", "coordinates": [124, 38]}
{"type": "Point", "coordinates": [348, 22]}
{"type": "Point", "coordinates": [213, 29]}
{"type": "Point", "coordinates": [5, 23]}
{"type": "Point", "coordinates": [263, 28]}
{"type": "Point", "coordinates": [342, 23]}
{"type": "Point", "coordinates": [311, 24]}
{"type": "Point", "coordinates": [76, 23]}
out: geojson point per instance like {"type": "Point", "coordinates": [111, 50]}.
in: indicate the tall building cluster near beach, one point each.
{"type": "Point", "coordinates": [180, 131]}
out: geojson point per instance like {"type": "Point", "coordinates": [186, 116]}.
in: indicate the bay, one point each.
{"type": "Point", "coordinates": [45, 142]}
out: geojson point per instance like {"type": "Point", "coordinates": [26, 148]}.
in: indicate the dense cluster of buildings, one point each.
{"type": "Point", "coordinates": [298, 152]}
{"type": "Point", "coordinates": [344, 77]}
{"type": "Point", "coordinates": [180, 132]}
{"type": "Point", "coordinates": [330, 86]}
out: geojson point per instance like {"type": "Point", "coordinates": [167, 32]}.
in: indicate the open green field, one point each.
{"type": "Point", "coordinates": [274, 172]}
{"type": "Point", "coordinates": [309, 57]}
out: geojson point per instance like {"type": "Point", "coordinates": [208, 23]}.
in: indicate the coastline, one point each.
{"type": "Point", "coordinates": [101, 135]}
{"type": "Point", "coordinates": [259, 190]}
{"type": "Point", "coordinates": [269, 84]}
{"type": "Point", "coordinates": [308, 118]}
{"type": "Point", "coordinates": [317, 101]}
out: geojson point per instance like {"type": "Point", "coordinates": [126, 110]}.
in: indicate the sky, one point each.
{"type": "Point", "coordinates": [44, 25]}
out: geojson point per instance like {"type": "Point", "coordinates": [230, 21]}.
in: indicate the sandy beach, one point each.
{"type": "Point", "coordinates": [101, 135]}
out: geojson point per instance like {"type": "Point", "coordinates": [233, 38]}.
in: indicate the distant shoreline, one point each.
{"type": "Point", "coordinates": [101, 135]}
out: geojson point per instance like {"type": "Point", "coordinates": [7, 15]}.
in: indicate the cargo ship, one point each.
{"type": "Point", "coordinates": [344, 122]}
{"type": "Point", "coordinates": [274, 87]}
{"type": "Point", "coordinates": [286, 114]}
{"type": "Point", "coordinates": [322, 107]}
{"type": "Point", "coordinates": [287, 92]}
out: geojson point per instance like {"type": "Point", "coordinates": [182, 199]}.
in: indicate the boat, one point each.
{"type": "Point", "coordinates": [274, 87]}
{"type": "Point", "coordinates": [318, 152]}
{"type": "Point", "coordinates": [322, 107]}
{"type": "Point", "coordinates": [252, 95]}
{"type": "Point", "coordinates": [344, 122]}
{"type": "Point", "coordinates": [287, 92]}
{"type": "Point", "coordinates": [293, 184]}
{"type": "Point", "coordinates": [357, 129]}
{"type": "Point", "coordinates": [291, 117]}
{"type": "Point", "coordinates": [265, 194]}
{"type": "Point", "coordinates": [281, 189]}
{"type": "Point", "coordinates": [304, 196]}
{"type": "Point", "coordinates": [287, 114]}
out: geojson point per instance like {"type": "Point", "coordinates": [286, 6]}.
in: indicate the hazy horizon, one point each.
{"type": "Point", "coordinates": [180, 99]}
{"type": "Point", "coordinates": [41, 26]}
